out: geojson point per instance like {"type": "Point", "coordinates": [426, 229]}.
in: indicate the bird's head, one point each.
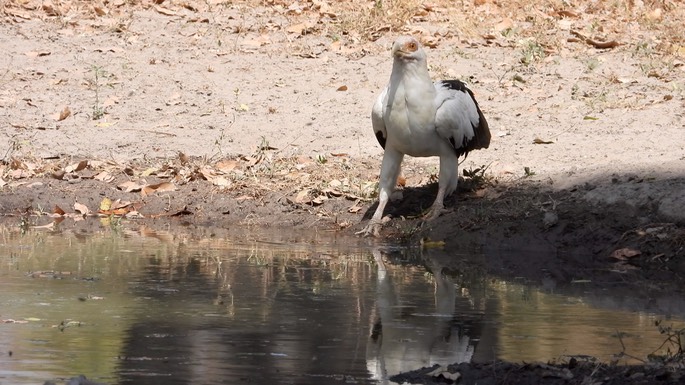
{"type": "Point", "coordinates": [408, 49]}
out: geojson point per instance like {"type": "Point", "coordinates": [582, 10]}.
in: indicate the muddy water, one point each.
{"type": "Point", "coordinates": [143, 307]}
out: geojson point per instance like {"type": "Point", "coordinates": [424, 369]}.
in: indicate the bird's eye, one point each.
{"type": "Point", "coordinates": [411, 46]}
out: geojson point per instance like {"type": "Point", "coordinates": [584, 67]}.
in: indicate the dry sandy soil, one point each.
{"type": "Point", "coordinates": [257, 113]}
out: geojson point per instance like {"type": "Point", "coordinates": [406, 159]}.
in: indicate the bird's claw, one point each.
{"type": "Point", "coordinates": [373, 228]}
{"type": "Point", "coordinates": [433, 213]}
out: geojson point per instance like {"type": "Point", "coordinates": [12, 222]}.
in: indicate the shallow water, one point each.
{"type": "Point", "coordinates": [144, 307]}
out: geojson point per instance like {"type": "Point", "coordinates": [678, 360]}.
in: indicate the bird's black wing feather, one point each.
{"type": "Point", "coordinates": [481, 138]}
{"type": "Point", "coordinates": [381, 139]}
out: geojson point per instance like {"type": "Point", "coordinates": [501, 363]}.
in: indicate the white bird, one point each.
{"type": "Point", "coordinates": [414, 116]}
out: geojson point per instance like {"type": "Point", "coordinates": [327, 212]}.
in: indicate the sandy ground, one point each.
{"type": "Point", "coordinates": [226, 114]}
{"type": "Point", "coordinates": [284, 103]}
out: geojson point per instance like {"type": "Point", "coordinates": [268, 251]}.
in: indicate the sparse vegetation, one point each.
{"type": "Point", "coordinates": [674, 343]}
{"type": "Point", "coordinates": [97, 111]}
{"type": "Point", "coordinates": [531, 51]}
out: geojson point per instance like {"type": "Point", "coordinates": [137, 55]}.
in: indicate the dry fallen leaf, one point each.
{"type": "Point", "coordinates": [165, 11]}
{"type": "Point", "coordinates": [332, 192]}
{"type": "Point", "coordinates": [116, 208]}
{"type": "Point", "coordinates": [149, 171]}
{"type": "Point", "coordinates": [59, 174]}
{"type": "Point", "coordinates": [35, 54]}
{"type": "Point", "coordinates": [300, 29]}
{"type": "Point", "coordinates": [430, 42]}
{"type": "Point", "coordinates": [540, 141]}
{"type": "Point", "coordinates": [58, 210]}
{"type": "Point", "coordinates": [50, 9]}
{"type": "Point", "coordinates": [76, 166]}
{"type": "Point", "coordinates": [100, 11]}
{"type": "Point", "coordinates": [19, 14]}
{"type": "Point", "coordinates": [221, 181]}
{"type": "Point", "coordinates": [63, 114]}
{"type": "Point", "coordinates": [567, 13]}
{"type": "Point", "coordinates": [226, 165]}
{"type": "Point", "coordinates": [354, 209]}
{"type": "Point", "coordinates": [134, 215]}
{"type": "Point", "coordinates": [303, 197]}
{"type": "Point", "coordinates": [130, 186]}
{"type": "Point", "coordinates": [625, 253]}
{"type": "Point", "coordinates": [81, 208]}
{"type": "Point", "coordinates": [342, 88]}
{"type": "Point", "coordinates": [319, 200]}
{"type": "Point", "coordinates": [159, 187]}
{"type": "Point", "coordinates": [104, 176]}
{"type": "Point", "coordinates": [504, 25]}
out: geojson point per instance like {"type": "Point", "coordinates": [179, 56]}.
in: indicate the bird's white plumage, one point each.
{"type": "Point", "coordinates": [417, 117]}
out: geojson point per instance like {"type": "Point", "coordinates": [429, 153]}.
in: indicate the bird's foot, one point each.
{"type": "Point", "coordinates": [373, 228]}
{"type": "Point", "coordinates": [433, 213]}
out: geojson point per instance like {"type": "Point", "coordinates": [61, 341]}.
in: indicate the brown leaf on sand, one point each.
{"type": "Point", "coordinates": [35, 54]}
{"type": "Point", "coordinates": [50, 9]}
{"type": "Point", "coordinates": [65, 113]}
{"type": "Point", "coordinates": [76, 167]}
{"type": "Point", "coordinates": [540, 141]}
{"type": "Point", "coordinates": [165, 11]}
{"type": "Point", "coordinates": [159, 187]}
{"type": "Point", "coordinates": [567, 13]}
{"type": "Point", "coordinates": [81, 208]}
{"type": "Point", "coordinates": [504, 25]}
{"type": "Point", "coordinates": [430, 41]}
{"type": "Point", "coordinates": [100, 11]}
{"type": "Point", "coordinates": [130, 186]}
{"type": "Point", "coordinates": [104, 176]}
{"type": "Point", "coordinates": [301, 28]}
{"type": "Point", "coordinates": [625, 253]}
{"type": "Point", "coordinates": [19, 14]}
{"type": "Point", "coordinates": [58, 210]}
{"type": "Point", "coordinates": [116, 208]}
{"type": "Point", "coordinates": [595, 43]}
{"type": "Point", "coordinates": [59, 174]}
{"type": "Point", "coordinates": [302, 197]}
{"type": "Point", "coordinates": [226, 165]}
{"type": "Point", "coordinates": [354, 209]}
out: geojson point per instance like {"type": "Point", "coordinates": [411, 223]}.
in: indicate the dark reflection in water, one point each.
{"type": "Point", "coordinates": [154, 308]}
{"type": "Point", "coordinates": [276, 321]}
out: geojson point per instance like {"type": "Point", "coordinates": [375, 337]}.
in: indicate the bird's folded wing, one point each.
{"type": "Point", "coordinates": [459, 120]}
{"type": "Point", "coordinates": [377, 121]}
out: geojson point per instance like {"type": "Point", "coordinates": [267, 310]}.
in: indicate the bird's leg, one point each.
{"type": "Point", "coordinates": [438, 206]}
{"type": "Point", "coordinates": [447, 183]}
{"type": "Point", "coordinates": [390, 170]}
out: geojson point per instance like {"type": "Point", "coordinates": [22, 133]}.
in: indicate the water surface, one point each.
{"type": "Point", "coordinates": [145, 307]}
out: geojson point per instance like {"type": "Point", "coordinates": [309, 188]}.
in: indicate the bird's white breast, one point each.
{"type": "Point", "coordinates": [410, 119]}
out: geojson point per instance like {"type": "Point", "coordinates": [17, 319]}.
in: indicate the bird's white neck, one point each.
{"type": "Point", "coordinates": [411, 75]}
{"type": "Point", "coordinates": [415, 70]}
